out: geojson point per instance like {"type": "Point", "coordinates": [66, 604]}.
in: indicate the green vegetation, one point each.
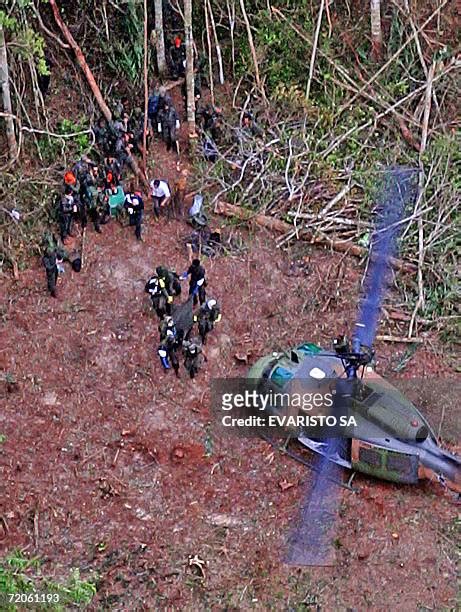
{"type": "Point", "coordinates": [124, 48]}
{"type": "Point", "coordinates": [20, 574]}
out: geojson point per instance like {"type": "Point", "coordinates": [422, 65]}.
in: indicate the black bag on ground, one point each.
{"type": "Point", "coordinates": [77, 264]}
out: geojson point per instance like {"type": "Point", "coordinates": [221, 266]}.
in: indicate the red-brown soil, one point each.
{"type": "Point", "coordinates": [112, 466]}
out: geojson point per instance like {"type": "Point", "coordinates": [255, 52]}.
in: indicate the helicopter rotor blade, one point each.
{"type": "Point", "coordinates": [312, 536]}
{"type": "Point", "coordinates": [398, 190]}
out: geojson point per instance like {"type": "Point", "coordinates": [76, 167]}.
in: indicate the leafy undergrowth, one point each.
{"type": "Point", "coordinates": [20, 575]}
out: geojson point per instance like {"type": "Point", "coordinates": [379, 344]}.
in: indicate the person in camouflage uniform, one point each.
{"type": "Point", "coordinates": [193, 356]}
{"type": "Point", "coordinates": [207, 316]}
{"type": "Point", "coordinates": [52, 259]}
{"type": "Point", "coordinates": [169, 122]}
{"type": "Point", "coordinates": [66, 210]}
{"type": "Point", "coordinates": [102, 136]}
{"type": "Point", "coordinates": [161, 299]}
{"type": "Point", "coordinates": [98, 209]}
{"type": "Point", "coordinates": [169, 280]}
{"type": "Point", "coordinates": [123, 148]}
{"type": "Point", "coordinates": [112, 165]}
{"type": "Point", "coordinates": [166, 325]}
{"type": "Point", "coordinates": [136, 127]}
{"type": "Point", "coordinates": [167, 352]}
{"type": "Point", "coordinates": [177, 58]}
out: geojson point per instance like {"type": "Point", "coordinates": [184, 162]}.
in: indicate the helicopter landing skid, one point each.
{"type": "Point", "coordinates": [285, 451]}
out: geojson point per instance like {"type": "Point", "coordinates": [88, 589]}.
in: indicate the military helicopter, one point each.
{"type": "Point", "coordinates": [391, 439]}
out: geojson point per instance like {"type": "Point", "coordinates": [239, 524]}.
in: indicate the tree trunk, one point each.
{"type": "Point", "coordinates": [231, 13]}
{"type": "Point", "coordinates": [376, 32]}
{"type": "Point", "coordinates": [146, 93]}
{"type": "Point", "coordinates": [314, 49]}
{"type": "Point", "coordinates": [216, 42]}
{"type": "Point", "coordinates": [210, 58]}
{"type": "Point", "coordinates": [5, 85]}
{"type": "Point", "coordinates": [81, 60]}
{"type": "Point", "coordinates": [160, 38]}
{"type": "Point", "coordinates": [190, 84]}
{"type": "Point", "coordinates": [252, 48]}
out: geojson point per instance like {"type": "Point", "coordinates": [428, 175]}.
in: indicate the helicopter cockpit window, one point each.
{"type": "Point", "coordinates": [267, 370]}
{"type": "Point", "coordinates": [280, 376]}
{"type": "Point", "coordinates": [308, 348]}
{"type": "Point", "coordinates": [364, 394]}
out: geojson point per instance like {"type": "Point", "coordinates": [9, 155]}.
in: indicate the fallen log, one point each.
{"type": "Point", "coordinates": [400, 339]}
{"type": "Point", "coordinates": [281, 227]}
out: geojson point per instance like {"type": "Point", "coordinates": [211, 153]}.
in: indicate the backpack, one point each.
{"type": "Point", "coordinates": [199, 220]}
{"type": "Point", "coordinates": [77, 264]}
{"type": "Point", "coordinates": [67, 206]}
{"type": "Point", "coordinates": [152, 104]}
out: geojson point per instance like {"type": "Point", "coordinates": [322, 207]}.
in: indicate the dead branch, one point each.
{"type": "Point", "coordinates": [421, 247]}
{"type": "Point", "coordinates": [48, 32]}
{"type": "Point", "coordinates": [394, 56]}
{"type": "Point", "coordinates": [281, 227]}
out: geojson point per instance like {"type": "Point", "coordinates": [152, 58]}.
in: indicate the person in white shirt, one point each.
{"type": "Point", "coordinates": [160, 195]}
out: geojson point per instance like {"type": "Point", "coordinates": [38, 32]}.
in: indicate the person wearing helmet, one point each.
{"type": "Point", "coordinates": [193, 354]}
{"type": "Point", "coordinates": [169, 280]}
{"type": "Point", "coordinates": [177, 58]}
{"type": "Point", "coordinates": [167, 324]}
{"type": "Point", "coordinates": [71, 182]}
{"type": "Point", "coordinates": [167, 353]}
{"type": "Point", "coordinates": [73, 188]}
{"type": "Point", "coordinates": [134, 205]}
{"type": "Point", "coordinates": [197, 281]}
{"type": "Point", "coordinates": [208, 315]}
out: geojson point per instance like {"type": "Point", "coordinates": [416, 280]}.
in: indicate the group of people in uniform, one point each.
{"type": "Point", "coordinates": [87, 189]}
{"type": "Point", "coordinates": [177, 322]}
